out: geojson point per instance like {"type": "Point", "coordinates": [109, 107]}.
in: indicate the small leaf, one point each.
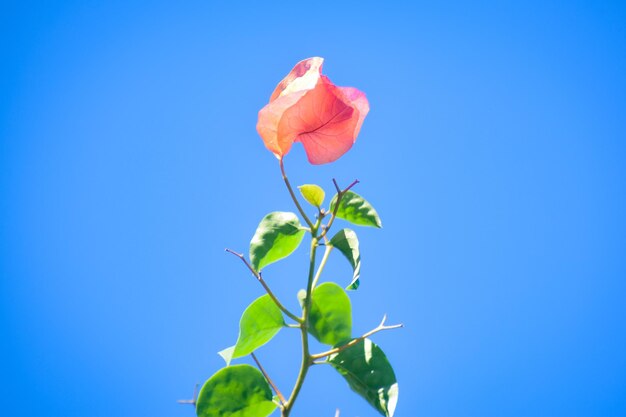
{"type": "Point", "coordinates": [369, 374]}
{"type": "Point", "coordinates": [313, 194]}
{"type": "Point", "coordinates": [346, 241]}
{"type": "Point", "coordinates": [356, 210]}
{"type": "Point", "coordinates": [259, 323]}
{"type": "Point", "coordinates": [235, 391]}
{"type": "Point", "coordinates": [276, 237]}
{"type": "Point", "coordinates": [330, 319]}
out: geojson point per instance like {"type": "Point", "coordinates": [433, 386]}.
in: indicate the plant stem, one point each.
{"type": "Point", "coordinates": [322, 265]}
{"type": "Point", "coordinates": [293, 196]}
{"type": "Point", "coordinates": [307, 359]}
{"type": "Point", "coordinates": [304, 325]}
{"type": "Point", "coordinates": [259, 278]}
{"type": "Point", "coordinates": [304, 320]}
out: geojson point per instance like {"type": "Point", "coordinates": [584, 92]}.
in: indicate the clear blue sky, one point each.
{"type": "Point", "coordinates": [495, 153]}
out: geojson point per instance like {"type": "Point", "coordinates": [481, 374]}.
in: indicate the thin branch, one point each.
{"type": "Point", "coordinates": [320, 268]}
{"type": "Point", "coordinates": [193, 400]}
{"type": "Point", "coordinates": [340, 194]}
{"type": "Point", "coordinates": [274, 387]}
{"type": "Point", "coordinates": [293, 195]}
{"type": "Point", "coordinates": [336, 186]}
{"type": "Point", "coordinates": [259, 278]}
{"type": "Point", "coordinates": [353, 342]}
{"type": "Point", "coordinates": [355, 182]}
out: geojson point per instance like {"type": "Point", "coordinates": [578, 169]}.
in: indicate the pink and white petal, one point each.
{"type": "Point", "coordinates": [359, 101]}
{"type": "Point", "coordinates": [304, 76]}
{"type": "Point", "coordinates": [269, 121]}
{"type": "Point", "coordinates": [321, 149]}
{"type": "Point", "coordinates": [323, 121]}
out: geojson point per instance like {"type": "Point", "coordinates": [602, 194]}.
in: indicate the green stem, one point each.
{"type": "Point", "coordinates": [306, 356]}
{"type": "Point", "coordinates": [303, 322]}
{"type": "Point", "coordinates": [293, 196]}
{"type": "Point", "coordinates": [322, 265]}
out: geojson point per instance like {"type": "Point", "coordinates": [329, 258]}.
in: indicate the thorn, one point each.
{"type": "Point", "coordinates": [192, 401]}
{"type": "Point", "coordinates": [239, 255]}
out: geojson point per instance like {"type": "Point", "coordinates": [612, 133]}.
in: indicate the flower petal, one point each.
{"type": "Point", "coordinates": [324, 121]}
{"type": "Point", "coordinates": [308, 108]}
{"type": "Point", "coordinates": [304, 76]}
{"type": "Point", "coordinates": [358, 100]}
{"type": "Point", "coordinates": [269, 119]}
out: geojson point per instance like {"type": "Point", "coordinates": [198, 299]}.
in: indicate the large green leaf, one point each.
{"type": "Point", "coordinates": [235, 391]}
{"type": "Point", "coordinates": [356, 210]}
{"type": "Point", "coordinates": [259, 323]}
{"type": "Point", "coordinates": [277, 236]}
{"type": "Point", "coordinates": [330, 318]}
{"type": "Point", "coordinates": [346, 241]}
{"type": "Point", "coordinates": [313, 194]}
{"type": "Point", "coordinates": [369, 374]}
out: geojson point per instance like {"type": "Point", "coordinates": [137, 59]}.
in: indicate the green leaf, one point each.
{"type": "Point", "coordinates": [277, 236]}
{"type": "Point", "coordinates": [259, 323]}
{"type": "Point", "coordinates": [356, 210]}
{"type": "Point", "coordinates": [346, 241]}
{"type": "Point", "coordinates": [369, 374]}
{"type": "Point", "coordinates": [313, 194]}
{"type": "Point", "coordinates": [330, 319]}
{"type": "Point", "coordinates": [235, 391]}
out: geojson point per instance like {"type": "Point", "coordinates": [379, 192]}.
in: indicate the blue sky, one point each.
{"type": "Point", "coordinates": [494, 152]}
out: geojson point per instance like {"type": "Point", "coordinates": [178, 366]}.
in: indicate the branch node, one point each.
{"type": "Point", "coordinates": [354, 341]}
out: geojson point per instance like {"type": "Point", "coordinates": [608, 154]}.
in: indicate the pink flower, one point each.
{"type": "Point", "coordinates": [307, 107]}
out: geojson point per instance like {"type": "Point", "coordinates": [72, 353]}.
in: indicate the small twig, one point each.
{"type": "Point", "coordinates": [192, 401]}
{"type": "Point", "coordinates": [274, 387]}
{"type": "Point", "coordinates": [353, 342]}
{"type": "Point", "coordinates": [340, 194]}
{"type": "Point", "coordinates": [259, 278]}
{"type": "Point", "coordinates": [337, 186]}
{"type": "Point", "coordinates": [355, 182]}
